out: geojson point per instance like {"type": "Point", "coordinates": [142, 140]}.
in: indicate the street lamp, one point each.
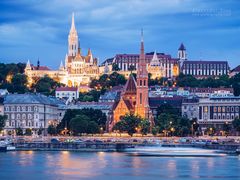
{"type": "Point", "coordinates": [193, 128]}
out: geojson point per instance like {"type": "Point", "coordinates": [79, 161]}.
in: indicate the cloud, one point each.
{"type": "Point", "coordinates": [110, 27]}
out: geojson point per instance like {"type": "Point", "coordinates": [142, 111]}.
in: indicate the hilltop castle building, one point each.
{"type": "Point", "coordinates": [78, 69]}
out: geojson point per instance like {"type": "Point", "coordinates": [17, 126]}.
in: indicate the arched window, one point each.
{"type": "Point", "coordinates": [29, 116]}
{"type": "Point", "coordinates": [24, 116]}
{"type": "Point", "coordinates": [18, 116]}
{"type": "Point", "coordinates": [18, 109]}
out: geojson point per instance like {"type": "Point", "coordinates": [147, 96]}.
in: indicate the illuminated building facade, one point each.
{"type": "Point", "coordinates": [78, 69]}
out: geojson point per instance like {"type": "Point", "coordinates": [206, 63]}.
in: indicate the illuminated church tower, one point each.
{"type": "Point", "coordinates": [73, 39]}
{"type": "Point", "coordinates": [142, 105]}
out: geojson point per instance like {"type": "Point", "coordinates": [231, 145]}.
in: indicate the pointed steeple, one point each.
{"type": "Point", "coordinates": [73, 43]}
{"type": "Point", "coordinates": [142, 70]}
{"type": "Point", "coordinates": [155, 60]}
{"type": "Point", "coordinates": [142, 56]}
{"type": "Point", "coordinates": [61, 67]}
{"type": "Point", "coordinates": [73, 23]}
{"type": "Point", "coordinates": [66, 61]}
{"type": "Point", "coordinates": [89, 52]}
{"type": "Point", "coordinates": [28, 65]}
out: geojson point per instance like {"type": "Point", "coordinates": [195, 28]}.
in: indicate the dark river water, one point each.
{"type": "Point", "coordinates": [100, 165]}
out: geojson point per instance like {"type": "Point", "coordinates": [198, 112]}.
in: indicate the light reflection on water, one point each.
{"type": "Point", "coordinates": [102, 165]}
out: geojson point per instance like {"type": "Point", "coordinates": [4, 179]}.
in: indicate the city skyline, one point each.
{"type": "Point", "coordinates": [32, 31]}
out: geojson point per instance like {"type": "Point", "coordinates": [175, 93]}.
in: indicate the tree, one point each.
{"type": "Point", "coordinates": [19, 131]}
{"type": "Point", "coordinates": [52, 130]}
{"type": "Point", "coordinates": [115, 67]}
{"type": "Point", "coordinates": [19, 83]}
{"type": "Point", "coordinates": [132, 68]}
{"type": "Point", "coordinates": [92, 128]}
{"type": "Point", "coordinates": [79, 124]}
{"type": "Point", "coordinates": [236, 124]}
{"type": "Point", "coordinates": [167, 108]}
{"type": "Point", "coordinates": [226, 128]}
{"type": "Point", "coordinates": [46, 85]}
{"type": "Point", "coordinates": [186, 81]}
{"type": "Point", "coordinates": [155, 130]}
{"type": "Point", "coordinates": [28, 132]}
{"type": "Point", "coordinates": [129, 123]}
{"type": "Point", "coordinates": [144, 126]}
{"type": "Point", "coordinates": [120, 126]}
{"type": "Point", "coordinates": [2, 121]}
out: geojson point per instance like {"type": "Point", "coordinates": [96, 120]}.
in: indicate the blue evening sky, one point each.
{"type": "Point", "coordinates": [32, 29]}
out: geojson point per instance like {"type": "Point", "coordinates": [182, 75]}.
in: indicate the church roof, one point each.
{"type": "Point", "coordinates": [41, 68]}
{"type": "Point", "coordinates": [236, 69]}
{"type": "Point", "coordinates": [182, 47]}
{"type": "Point", "coordinates": [131, 85]}
{"type": "Point", "coordinates": [128, 104]}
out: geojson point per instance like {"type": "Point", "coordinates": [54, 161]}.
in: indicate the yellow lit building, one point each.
{"type": "Point", "coordinates": [78, 69]}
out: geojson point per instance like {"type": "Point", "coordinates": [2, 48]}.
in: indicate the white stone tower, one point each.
{"type": "Point", "coordinates": [182, 55]}
{"type": "Point", "coordinates": [73, 39]}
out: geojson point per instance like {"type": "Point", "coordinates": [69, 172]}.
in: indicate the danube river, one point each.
{"type": "Point", "coordinates": [112, 165]}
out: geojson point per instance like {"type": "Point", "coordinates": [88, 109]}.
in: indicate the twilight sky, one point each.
{"type": "Point", "coordinates": [32, 29]}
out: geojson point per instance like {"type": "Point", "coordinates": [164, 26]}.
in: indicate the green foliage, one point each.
{"type": "Point", "coordinates": [40, 131]}
{"type": "Point", "coordinates": [155, 130]}
{"type": "Point", "coordinates": [52, 130]}
{"type": "Point", "coordinates": [167, 108]}
{"type": "Point", "coordinates": [2, 121]}
{"type": "Point", "coordinates": [46, 85]}
{"type": "Point", "coordinates": [222, 81]}
{"type": "Point", "coordinates": [131, 123]}
{"type": "Point", "coordinates": [170, 121]}
{"type": "Point", "coordinates": [28, 132]}
{"type": "Point", "coordinates": [92, 127]}
{"type": "Point", "coordinates": [236, 124]}
{"type": "Point", "coordinates": [132, 68]}
{"type": "Point", "coordinates": [19, 132]}
{"type": "Point", "coordinates": [19, 83]}
{"type": "Point", "coordinates": [94, 115]}
{"type": "Point", "coordinates": [115, 67]}
{"type": "Point", "coordinates": [90, 96]}
{"type": "Point", "coordinates": [107, 81]}
{"type": "Point", "coordinates": [79, 124]}
{"type": "Point", "coordinates": [10, 69]}
{"type": "Point", "coordinates": [144, 127]}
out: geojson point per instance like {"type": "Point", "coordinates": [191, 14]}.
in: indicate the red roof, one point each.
{"type": "Point", "coordinates": [66, 89]}
{"type": "Point", "coordinates": [236, 69]}
{"type": "Point", "coordinates": [41, 68]}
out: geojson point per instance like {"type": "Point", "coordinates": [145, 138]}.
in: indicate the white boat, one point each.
{"type": "Point", "coordinates": [173, 152]}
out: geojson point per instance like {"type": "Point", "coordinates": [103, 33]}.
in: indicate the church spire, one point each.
{"type": "Point", "coordinates": [73, 43]}
{"type": "Point", "coordinates": [73, 23]}
{"type": "Point", "coordinates": [142, 70]}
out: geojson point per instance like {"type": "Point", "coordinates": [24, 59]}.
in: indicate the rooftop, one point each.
{"type": "Point", "coordinates": [31, 99]}
{"type": "Point", "coordinates": [66, 89]}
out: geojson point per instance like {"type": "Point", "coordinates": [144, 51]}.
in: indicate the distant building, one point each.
{"type": "Point", "coordinates": [235, 71]}
{"type": "Point", "coordinates": [204, 69]}
{"type": "Point", "coordinates": [1, 106]}
{"type": "Point", "coordinates": [68, 93]}
{"type": "Point", "coordinates": [212, 111]}
{"type": "Point", "coordinates": [110, 96]}
{"type": "Point", "coordinates": [77, 70]}
{"type": "Point", "coordinates": [33, 111]}
{"type": "Point", "coordinates": [158, 64]}
{"type": "Point", "coordinates": [207, 92]}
